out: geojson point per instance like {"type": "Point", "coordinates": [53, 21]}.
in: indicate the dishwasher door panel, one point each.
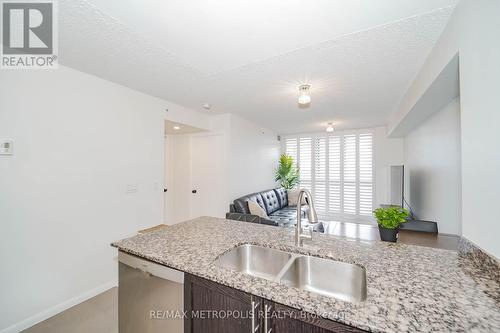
{"type": "Point", "coordinates": [147, 303]}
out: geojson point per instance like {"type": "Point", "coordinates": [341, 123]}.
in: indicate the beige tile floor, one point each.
{"type": "Point", "coordinates": [100, 314]}
{"type": "Point", "coordinates": [96, 315]}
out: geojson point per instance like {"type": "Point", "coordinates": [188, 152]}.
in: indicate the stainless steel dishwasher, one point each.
{"type": "Point", "coordinates": [150, 296]}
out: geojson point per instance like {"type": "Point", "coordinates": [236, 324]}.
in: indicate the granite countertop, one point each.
{"type": "Point", "coordinates": [409, 288]}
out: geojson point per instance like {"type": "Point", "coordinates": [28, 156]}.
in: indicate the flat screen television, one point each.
{"type": "Point", "coordinates": [397, 185]}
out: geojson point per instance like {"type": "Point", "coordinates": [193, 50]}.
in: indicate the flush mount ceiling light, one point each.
{"type": "Point", "coordinates": [304, 97]}
{"type": "Point", "coordinates": [177, 128]}
{"type": "Point", "coordinates": [206, 106]}
{"type": "Point", "coordinates": [330, 128]}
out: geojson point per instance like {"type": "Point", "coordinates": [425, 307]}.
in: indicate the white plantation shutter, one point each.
{"type": "Point", "coordinates": [291, 148]}
{"type": "Point", "coordinates": [365, 174]}
{"type": "Point", "coordinates": [349, 174]}
{"type": "Point", "coordinates": [337, 169]}
{"type": "Point", "coordinates": [334, 175]}
{"type": "Point", "coordinates": [305, 162]}
{"type": "Point", "coordinates": [319, 183]}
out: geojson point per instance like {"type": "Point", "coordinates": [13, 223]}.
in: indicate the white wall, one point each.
{"type": "Point", "coordinates": [472, 32]}
{"type": "Point", "coordinates": [432, 169]}
{"type": "Point", "coordinates": [253, 157]}
{"type": "Point", "coordinates": [387, 151]}
{"type": "Point", "coordinates": [79, 141]}
{"type": "Point", "coordinates": [253, 154]}
{"type": "Point", "coordinates": [182, 115]}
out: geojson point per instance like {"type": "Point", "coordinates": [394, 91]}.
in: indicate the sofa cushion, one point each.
{"type": "Point", "coordinates": [249, 218]}
{"type": "Point", "coordinates": [270, 201]}
{"type": "Point", "coordinates": [287, 217]}
{"type": "Point", "coordinates": [282, 196]}
{"type": "Point", "coordinates": [241, 204]}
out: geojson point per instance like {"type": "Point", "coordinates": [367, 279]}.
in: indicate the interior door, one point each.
{"type": "Point", "coordinates": [167, 200]}
{"type": "Point", "coordinates": [208, 176]}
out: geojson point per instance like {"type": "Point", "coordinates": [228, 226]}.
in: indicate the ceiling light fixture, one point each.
{"type": "Point", "coordinates": [304, 97]}
{"type": "Point", "coordinates": [330, 128]}
{"type": "Point", "coordinates": [177, 128]}
{"type": "Point", "coordinates": [206, 106]}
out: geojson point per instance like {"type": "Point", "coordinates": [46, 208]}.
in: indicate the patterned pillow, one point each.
{"type": "Point", "coordinates": [256, 209]}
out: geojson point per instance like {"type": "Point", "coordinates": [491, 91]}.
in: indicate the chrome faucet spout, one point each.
{"type": "Point", "coordinates": [311, 214]}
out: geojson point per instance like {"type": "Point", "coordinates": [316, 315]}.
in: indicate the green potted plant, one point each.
{"type": "Point", "coordinates": [389, 219]}
{"type": "Point", "coordinates": [287, 174]}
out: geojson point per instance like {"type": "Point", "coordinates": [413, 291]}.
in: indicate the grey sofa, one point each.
{"type": "Point", "coordinates": [274, 202]}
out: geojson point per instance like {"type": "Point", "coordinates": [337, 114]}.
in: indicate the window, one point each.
{"type": "Point", "coordinates": [337, 169]}
{"type": "Point", "coordinates": [305, 165]}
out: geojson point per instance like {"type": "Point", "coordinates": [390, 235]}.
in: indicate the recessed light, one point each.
{"type": "Point", "coordinates": [207, 106]}
{"type": "Point", "coordinates": [177, 128]}
{"type": "Point", "coordinates": [330, 128]}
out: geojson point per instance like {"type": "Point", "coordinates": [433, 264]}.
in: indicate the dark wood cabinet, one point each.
{"type": "Point", "coordinates": [283, 319]}
{"type": "Point", "coordinates": [214, 308]}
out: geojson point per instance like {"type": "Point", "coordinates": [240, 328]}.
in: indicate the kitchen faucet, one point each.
{"type": "Point", "coordinates": [311, 215]}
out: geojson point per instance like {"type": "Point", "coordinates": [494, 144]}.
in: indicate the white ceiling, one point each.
{"type": "Point", "coordinates": [247, 57]}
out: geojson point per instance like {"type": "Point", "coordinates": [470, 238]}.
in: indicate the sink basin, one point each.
{"type": "Point", "coordinates": [327, 277]}
{"type": "Point", "coordinates": [322, 276]}
{"type": "Point", "coordinates": [255, 260]}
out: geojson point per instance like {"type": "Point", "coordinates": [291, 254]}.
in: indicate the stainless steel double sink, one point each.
{"type": "Point", "coordinates": [321, 276]}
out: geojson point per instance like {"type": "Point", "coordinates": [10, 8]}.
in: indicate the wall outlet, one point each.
{"type": "Point", "coordinates": [6, 147]}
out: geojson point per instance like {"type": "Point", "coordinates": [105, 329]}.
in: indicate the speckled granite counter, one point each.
{"type": "Point", "coordinates": [410, 288]}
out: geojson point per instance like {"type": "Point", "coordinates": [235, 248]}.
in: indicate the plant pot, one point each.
{"type": "Point", "coordinates": [388, 235]}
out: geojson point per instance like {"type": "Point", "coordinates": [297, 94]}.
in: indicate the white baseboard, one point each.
{"type": "Point", "coordinates": [41, 316]}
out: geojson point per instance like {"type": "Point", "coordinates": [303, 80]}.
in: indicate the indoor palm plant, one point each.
{"type": "Point", "coordinates": [287, 173]}
{"type": "Point", "coordinates": [389, 219]}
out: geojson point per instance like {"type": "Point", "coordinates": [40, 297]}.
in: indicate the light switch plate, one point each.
{"type": "Point", "coordinates": [6, 147]}
{"type": "Point", "coordinates": [132, 188]}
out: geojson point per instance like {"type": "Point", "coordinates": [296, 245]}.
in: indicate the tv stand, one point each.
{"type": "Point", "coordinates": [420, 225]}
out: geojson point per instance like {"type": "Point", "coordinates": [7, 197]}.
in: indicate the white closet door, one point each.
{"type": "Point", "coordinates": [208, 176]}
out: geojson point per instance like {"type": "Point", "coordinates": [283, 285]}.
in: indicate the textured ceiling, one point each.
{"type": "Point", "coordinates": [359, 68]}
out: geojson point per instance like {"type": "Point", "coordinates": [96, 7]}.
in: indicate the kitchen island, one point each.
{"type": "Point", "coordinates": [409, 288]}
